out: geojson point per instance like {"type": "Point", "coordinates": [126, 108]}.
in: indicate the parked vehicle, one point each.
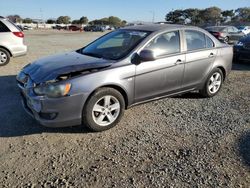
{"type": "Point", "coordinates": [20, 27]}
{"type": "Point", "coordinates": [94, 85]}
{"type": "Point", "coordinates": [94, 28]}
{"type": "Point", "coordinates": [242, 49]}
{"type": "Point", "coordinates": [227, 34]}
{"type": "Point", "coordinates": [244, 29]}
{"type": "Point", "coordinates": [27, 27]}
{"type": "Point", "coordinates": [11, 41]}
{"type": "Point", "coordinates": [74, 28]}
{"type": "Point", "coordinates": [58, 27]}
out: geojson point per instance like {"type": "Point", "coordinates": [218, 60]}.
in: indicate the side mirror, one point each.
{"type": "Point", "coordinates": [147, 55]}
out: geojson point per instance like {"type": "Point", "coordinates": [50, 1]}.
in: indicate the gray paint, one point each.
{"type": "Point", "coordinates": [166, 76]}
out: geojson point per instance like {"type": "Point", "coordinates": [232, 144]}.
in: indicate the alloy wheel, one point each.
{"type": "Point", "coordinates": [3, 57]}
{"type": "Point", "coordinates": [215, 83]}
{"type": "Point", "coordinates": [106, 110]}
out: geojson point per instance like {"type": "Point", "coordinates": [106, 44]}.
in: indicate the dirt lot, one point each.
{"type": "Point", "coordinates": [184, 141]}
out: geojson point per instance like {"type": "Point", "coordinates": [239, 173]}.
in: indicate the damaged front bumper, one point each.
{"type": "Point", "coordinates": [53, 112]}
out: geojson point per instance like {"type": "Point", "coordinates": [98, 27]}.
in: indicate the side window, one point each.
{"type": "Point", "coordinates": [164, 44]}
{"type": "Point", "coordinates": [231, 30]}
{"type": "Point", "coordinates": [209, 42]}
{"type": "Point", "coordinates": [3, 28]}
{"type": "Point", "coordinates": [195, 40]}
{"type": "Point", "coordinates": [235, 30]}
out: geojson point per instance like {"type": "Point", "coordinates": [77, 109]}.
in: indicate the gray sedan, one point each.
{"type": "Point", "coordinates": [94, 85]}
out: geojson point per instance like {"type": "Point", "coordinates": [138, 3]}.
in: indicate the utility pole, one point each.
{"type": "Point", "coordinates": [153, 16]}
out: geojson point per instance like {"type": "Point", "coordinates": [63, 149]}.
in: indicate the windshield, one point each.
{"type": "Point", "coordinates": [241, 27]}
{"type": "Point", "coordinates": [115, 45]}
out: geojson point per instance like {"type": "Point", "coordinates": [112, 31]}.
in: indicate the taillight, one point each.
{"type": "Point", "coordinates": [217, 34]}
{"type": "Point", "coordinates": [18, 34]}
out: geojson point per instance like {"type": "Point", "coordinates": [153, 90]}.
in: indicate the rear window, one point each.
{"type": "Point", "coordinates": [3, 27]}
{"type": "Point", "coordinates": [18, 28]}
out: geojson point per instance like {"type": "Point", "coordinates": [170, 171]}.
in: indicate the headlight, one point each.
{"type": "Point", "coordinates": [52, 90]}
{"type": "Point", "coordinates": [239, 43]}
{"type": "Point", "coordinates": [22, 77]}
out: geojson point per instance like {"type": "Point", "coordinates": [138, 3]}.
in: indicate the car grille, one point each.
{"type": "Point", "coordinates": [247, 46]}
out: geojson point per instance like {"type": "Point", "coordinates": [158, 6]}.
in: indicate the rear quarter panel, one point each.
{"type": "Point", "coordinates": [224, 58]}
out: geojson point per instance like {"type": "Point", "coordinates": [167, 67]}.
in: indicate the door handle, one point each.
{"type": "Point", "coordinates": [178, 62]}
{"type": "Point", "coordinates": [211, 55]}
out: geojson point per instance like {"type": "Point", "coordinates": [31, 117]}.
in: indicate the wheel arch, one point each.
{"type": "Point", "coordinates": [116, 87]}
{"type": "Point", "coordinates": [223, 70]}
{"type": "Point", "coordinates": [6, 50]}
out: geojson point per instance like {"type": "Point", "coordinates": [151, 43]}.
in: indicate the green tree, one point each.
{"type": "Point", "coordinates": [243, 14]}
{"type": "Point", "coordinates": [83, 20]}
{"type": "Point", "coordinates": [176, 16]}
{"type": "Point", "coordinates": [51, 21]}
{"type": "Point", "coordinates": [14, 18]}
{"type": "Point", "coordinates": [27, 20]}
{"type": "Point", "coordinates": [124, 22]}
{"type": "Point", "coordinates": [193, 14]}
{"type": "Point", "coordinates": [63, 20]}
{"type": "Point", "coordinates": [114, 21]}
{"type": "Point", "coordinates": [76, 22]}
{"type": "Point", "coordinates": [211, 15]}
{"type": "Point", "coordinates": [227, 15]}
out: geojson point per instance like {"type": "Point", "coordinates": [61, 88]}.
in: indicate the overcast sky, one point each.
{"type": "Point", "coordinates": [130, 10]}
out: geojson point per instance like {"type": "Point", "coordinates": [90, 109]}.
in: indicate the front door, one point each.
{"type": "Point", "coordinates": [164, 75]}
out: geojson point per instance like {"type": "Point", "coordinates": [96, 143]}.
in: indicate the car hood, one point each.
{"type": "Point", "coordinates": [52, 67]}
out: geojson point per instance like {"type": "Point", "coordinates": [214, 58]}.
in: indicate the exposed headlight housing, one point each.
{"type": "Point", "coordinates": [53, 90]}
{"type": "Point", "coordinates": [239, 43]}
{"type": "Point", "coordinates": [21, 77]}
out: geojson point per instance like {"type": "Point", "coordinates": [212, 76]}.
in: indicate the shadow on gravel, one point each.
{"type": "Point", "coordinates": [244, 148]}
{"type": "Point", "coordinates": [245, 66]}
{"type": "Point", "coordinates": [189, 96]}
{"type": "Point", "coordinates": [13, 119]}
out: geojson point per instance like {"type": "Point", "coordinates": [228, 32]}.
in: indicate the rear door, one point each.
{"type": "Point", "coordinates": [200, 55]}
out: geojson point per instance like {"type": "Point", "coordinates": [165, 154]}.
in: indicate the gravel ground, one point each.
{"type": "Point", "coordinates": [184, 141]}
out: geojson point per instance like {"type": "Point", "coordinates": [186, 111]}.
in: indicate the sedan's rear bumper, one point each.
{"type": "Point", "coordinates": [19, 50]}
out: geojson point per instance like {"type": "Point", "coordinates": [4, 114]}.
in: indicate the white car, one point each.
{"type": "Point", "coordinates": [244, 29]}
{"type": "Point", "coordinates": [11, 41]}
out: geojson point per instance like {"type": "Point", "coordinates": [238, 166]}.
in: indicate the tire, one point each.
{"type": "Point", "coordinates": [212, 88]}
{"type": "Point", "coordinates": [98, 115]}
{"type": "Point", "coordinates": [226, 40]}
{"type": "Point", "coordinates": [4, 57]}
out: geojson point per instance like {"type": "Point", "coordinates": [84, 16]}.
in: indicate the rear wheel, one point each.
{"type": "Point", "coordinates": [104, 109]}
{"type": "Point", "coordinates": [4, 57]}
{"type": "Point", "coordinates": [213, 83]}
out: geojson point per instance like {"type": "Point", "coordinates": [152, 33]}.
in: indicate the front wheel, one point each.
{"type": "Point", "coordinates": [104, 109]}
{"type": "Point", "coordinates": [213, 83]}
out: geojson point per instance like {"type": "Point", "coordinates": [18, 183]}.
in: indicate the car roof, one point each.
{"type": "Point", "coordinates": [156, 27]}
